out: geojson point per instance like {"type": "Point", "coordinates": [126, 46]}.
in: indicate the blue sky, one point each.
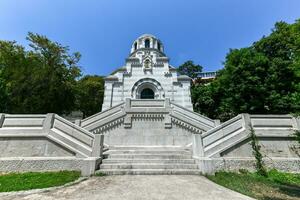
{"type": "Point", "coordinates": [103, 30]}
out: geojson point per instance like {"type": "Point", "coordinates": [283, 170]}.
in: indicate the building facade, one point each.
{"type": "Point", "coordinates": [147, 74]}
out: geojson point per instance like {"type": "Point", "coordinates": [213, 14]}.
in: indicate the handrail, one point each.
{"type": "Point", "coordinates": [237, 129]}
{"type": "Point", "coordinates": [221, 126]}
{"type": "Point", "coordinates": [224, 136]}
{"type": "Point", "coordinates": [194, 113]}
{"type": "Point", "coordinates": [74, 126]}
{"type": "Point", "coordinates": [57, 129]}
{"type": "Point", "coordinates": [102, 112]}
{"type": "Point", "coordinates": [96, 122]}
{"type": "Point", "coordinates": [194, 119]}
{"type": "Point", "coordinates": [125, 110]}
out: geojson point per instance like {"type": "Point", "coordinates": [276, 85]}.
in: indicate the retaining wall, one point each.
{"type": "Point", "coordinates": [47, 142]}
{"type": "Point", "coordinates": [228, 146]}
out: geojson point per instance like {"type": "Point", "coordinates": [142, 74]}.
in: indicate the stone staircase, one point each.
{"type": "Point", "coordinates": [121, 160]}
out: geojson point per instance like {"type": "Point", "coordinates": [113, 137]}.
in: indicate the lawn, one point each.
{"type": "Point", "coordinates": [35, 180]}
{"type": "Point", "coordinates": [276, 186]}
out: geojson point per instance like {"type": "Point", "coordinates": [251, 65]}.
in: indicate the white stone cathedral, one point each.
{"type": "Point", "coordinates": [147, 74]}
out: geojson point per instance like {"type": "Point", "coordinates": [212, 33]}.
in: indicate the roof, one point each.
{"type": "Point", "coordinates": [111, 78]}
{"type": "Point", "coordinates": [183, 77]}
{"type": "Point", "coordinates": [123, 68]}
{"type": "Point", "coordinates": [147, 35]}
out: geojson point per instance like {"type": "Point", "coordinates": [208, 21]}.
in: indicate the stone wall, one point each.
{"type": "Point", "coordinates": [227, 147]}
{"type": "Point", "coordinates": [46, 142]}
{"type": "Point", "coordinates": [50, 142]}
{"type": "Point", "coordinates": [212, 165]}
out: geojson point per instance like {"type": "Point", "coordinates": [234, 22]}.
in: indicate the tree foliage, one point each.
{"type": "Point", "coordinates": [262, 78]}
{"type": "Point", "coordinates": [41, 79]}
{"type": "Point", "coordinates": [3, 94]}
{"type": "Point", "coordinates": [190, 69]}
{"type": "Point", "coordinates": [90, 94]}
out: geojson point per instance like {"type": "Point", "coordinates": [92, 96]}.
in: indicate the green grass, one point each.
{"type": "Point", "coordinates": [277, 185]}
{"type": "Point", "coordinates": [35, 180]}
{"type": "Point", "coordinates": [100, 174]}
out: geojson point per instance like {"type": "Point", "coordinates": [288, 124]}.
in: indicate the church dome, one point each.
{"type": "Point", "coordinates": [147, 41]}
{"type": "Point", "coordinates": [147, 35]}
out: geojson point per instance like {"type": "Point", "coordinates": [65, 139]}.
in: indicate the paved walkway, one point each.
{"type": "Point", "coordinates": [137, 187]}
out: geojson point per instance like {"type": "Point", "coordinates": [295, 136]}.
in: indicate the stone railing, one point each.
{"type": "Point", "coordinates": [191, 120]}
{"type": "Point", "coordinates": [75, 139]}
{"type": "Point", "coordinates": [11, 125]}
{"type": "Point", "coordinates": [224, 136]}
{"type": "Point", "coordinates": [104, 120]}
{"type": "Point", "coordinates": [274, 125]}
{"type": "Point", "coordinates": [236, 130]}
{"type": "Point", "coordinates": [143, 108]}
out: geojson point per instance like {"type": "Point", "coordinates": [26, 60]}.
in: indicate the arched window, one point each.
{"type": "Point", "coordinates": [158, 46]}
{"type": "Point", "coordinates": [147, 43]}
{"type": "Point", "coordinates": [147, 93]}
{"type": "Point", "coordinates": [135, 46]}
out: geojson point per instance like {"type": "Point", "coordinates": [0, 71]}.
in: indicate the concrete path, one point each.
{"type": "Point", "coordinates": [139, 187]}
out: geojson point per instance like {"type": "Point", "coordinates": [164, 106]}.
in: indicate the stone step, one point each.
{"type": "Point", "coordinates": [148, 156]}
{"type": "Point", "coordinates": [148, 166]}
{"type": "Point", "coordinates": [138, 160]}
{"type": "Point", "coordinates": [149, 171]}
{"type": "Point", "coordinates": [158, 161]}
{"type": "Point", "coordinates": [147, 152]}
{"type": "Point", "coordinates": [150, 148]}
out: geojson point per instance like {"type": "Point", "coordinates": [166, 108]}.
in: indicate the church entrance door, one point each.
{"type": "Point", "coordinates": [147, 93]}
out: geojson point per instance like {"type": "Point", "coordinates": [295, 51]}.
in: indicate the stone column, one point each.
{"type": "Point", "coordinates": [108, 92]}
{"type": "Point", "coordinates": [48, 122]}
{"type": "Point", "coordinates": [217, 122]}
{"type": "Point", "coordinates": [198, 150]}
{"type": "Point", "coordinates": [127, 119]}
{"type": "Point", "coordinates": [2, 117]}
{"type": "Point", "coordinates": [98, 145]}
{"type": "Point", "coordinates": [78, 122]}
{"type": "Point", "coordinates": [246, 121]}
{"type": "Point", "coordinates": [167, 121]}
{"type": "Point", "coordinates": [186, 93]}
{"type": "Point", "coordinates": [296, 123]}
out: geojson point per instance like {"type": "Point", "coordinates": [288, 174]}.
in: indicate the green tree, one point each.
{"type": "Point", "coordinates": [90, 94]}
{"type": "Point", "coordinates": [15, 70]}
{"type": "Point", "coordinates": [39, 80]}
{"type": "Point", "coordinates": [3, 94]}
{"type": "Point", "coordinates": [190, 69]}
{"type": "Point", "coordinates": [262, 78]}
{"type": "Point", "coordinates": [204, 99]}
{"type": "Point", "coordinates": [59, 70]}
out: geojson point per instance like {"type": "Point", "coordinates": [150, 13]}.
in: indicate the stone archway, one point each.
{"type": "Point", "coordinates": [146, 85]}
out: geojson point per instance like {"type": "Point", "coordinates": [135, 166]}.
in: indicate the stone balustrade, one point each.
{"type": "Point", "coordinates": [48, 139]}
{"type": "Point", "coordinates": [227, 146]}
{"type": "Point", "coordinates": [152, 109]}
